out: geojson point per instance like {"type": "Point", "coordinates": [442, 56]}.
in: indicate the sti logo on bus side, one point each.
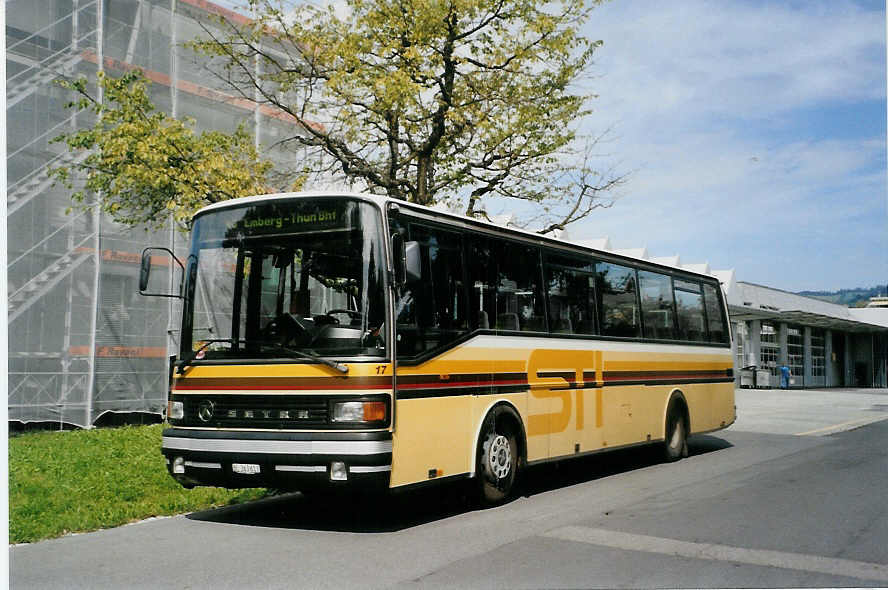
{"type": "Point", "coordinates": [551, 378]}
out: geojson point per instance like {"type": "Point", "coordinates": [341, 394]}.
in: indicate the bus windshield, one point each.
{"type": "Point", "coordinates": [297, 278]}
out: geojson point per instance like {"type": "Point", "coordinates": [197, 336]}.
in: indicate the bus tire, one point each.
{"type": "Point", "coordinates": [676, 444]}
{"type": "Point", "coordinates": [498, 457]}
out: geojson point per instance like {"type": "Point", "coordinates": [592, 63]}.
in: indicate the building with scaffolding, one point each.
{"type": "Point", "coordinates": [82, 342]}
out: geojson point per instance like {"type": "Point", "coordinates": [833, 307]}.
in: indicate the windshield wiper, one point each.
{"type": "Point", "coordinates": [184, 363]}
{"type": "Point", "coordinates": [342, 368]}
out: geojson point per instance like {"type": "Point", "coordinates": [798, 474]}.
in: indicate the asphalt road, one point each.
{"type": "Point", "coordinates": [747, 508]}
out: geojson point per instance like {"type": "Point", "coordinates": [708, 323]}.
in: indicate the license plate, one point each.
{"type": "Point", "coordinates": [245, 468]}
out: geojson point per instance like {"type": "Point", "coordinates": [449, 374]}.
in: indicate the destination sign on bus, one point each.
{"type": "Point", "coordinates": [279, 222]}
{"type": "Point", "coordinates": [283, 217]}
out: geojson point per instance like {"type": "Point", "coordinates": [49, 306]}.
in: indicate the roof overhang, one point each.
{"type": "Point", "coordinates": [831, 323]}
{"type": "Point", "coordinates": [745, 313]}
{"type": "Point", "coordinates": [805, 318]}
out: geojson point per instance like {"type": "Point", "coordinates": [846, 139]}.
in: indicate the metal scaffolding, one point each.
{"type": "Point", "coordinates": [82, 342]}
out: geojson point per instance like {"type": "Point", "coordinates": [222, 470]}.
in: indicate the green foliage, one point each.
{"type": "Point", "coordinates": [61, 482]}
{"type": "Point", "coordinates": [146, 165]}
{"type": "Point", "coordinates": [430, 101]}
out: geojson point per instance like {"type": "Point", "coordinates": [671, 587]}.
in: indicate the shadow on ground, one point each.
{"type": "Point", "coordinates": [553, 476]}
{"type": "Point", "coordinates": [381, 513]}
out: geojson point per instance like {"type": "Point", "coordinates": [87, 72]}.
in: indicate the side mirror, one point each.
{"type": "Point", "coordinates": [412, 262]}
{"type": "Point", "coordinates": [406, 260]}
{"type": "Point", "coordinates": [399, 257]}
{"type": "Point", "coordinates": [159, 257]}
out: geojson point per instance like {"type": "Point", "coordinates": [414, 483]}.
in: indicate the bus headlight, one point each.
{"type": "Point", "coordinates": [175, 410]}
{"type": "Point", "coordinates": [358, 412]}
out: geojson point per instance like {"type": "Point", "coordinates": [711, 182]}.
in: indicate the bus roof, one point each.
{"type": "Point", "coordinates": [382, 201]}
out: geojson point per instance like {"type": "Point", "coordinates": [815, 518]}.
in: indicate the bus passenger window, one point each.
{"type": "Point", "coordinates": [571, 298]}
{"type": "Point", "coordinates": [519, 299]}
{"type": "Point", "coordinates": [618, 312]}
{"type": "Point", "coordinates": [481, 265]}
{"type": "Point", "coordinates": [657, 305]}
{"type": "Point", "coordinates": [690, 314]}
{"type": "Point", "coordinates": [505, 286]}
{"type": "Point", "coordinates": [717, 330]}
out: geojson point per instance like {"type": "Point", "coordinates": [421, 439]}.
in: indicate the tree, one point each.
{"type": "Point", "coordinates": [430, 100]}
{"type": "Point", "coordinates": [146, 165]}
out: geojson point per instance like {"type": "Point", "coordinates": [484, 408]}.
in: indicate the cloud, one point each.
{"type": "Point", "coordinates": [698, 58]}
{"type": "Point", "coordinates": [731, 113]}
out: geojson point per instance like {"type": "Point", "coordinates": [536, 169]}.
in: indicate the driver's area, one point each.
{"type": "Point", "coordinates": [307, 300]}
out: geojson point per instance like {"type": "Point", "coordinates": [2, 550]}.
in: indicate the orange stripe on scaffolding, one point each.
{"type": "Point", "coordinates": [124, 257]}
{"type": "Point", "coordinates": [197, 90]}
{"type": "Point", "coordinates": [211, 8]}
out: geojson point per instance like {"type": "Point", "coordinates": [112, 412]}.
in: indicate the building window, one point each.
{"type": "Point", "coordinates": [818, 353]}
{"type": "Point", "coordinates": [795, 351]}
{"type": "Point", "coordinates": [770, 348]}
{"type": "Point", "coordinates": [741, 333]}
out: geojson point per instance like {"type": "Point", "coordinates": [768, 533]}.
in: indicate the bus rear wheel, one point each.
{"type": "Point", "coordinates": [676, 444]}
{"type": "Point", "coordinates": [498, 459]}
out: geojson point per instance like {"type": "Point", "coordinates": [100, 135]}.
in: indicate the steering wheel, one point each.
{"type": "Point", "coordinates": [352, 314]}
{"type": "Point", "coordinates": [285, 327]}
{"type": "Point", "coordinates": [374, 336]}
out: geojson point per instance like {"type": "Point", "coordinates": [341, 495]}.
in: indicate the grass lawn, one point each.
{"type": "Point", "coordinates": [84, 480]}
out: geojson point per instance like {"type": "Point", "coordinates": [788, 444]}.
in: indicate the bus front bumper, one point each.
{"type": "Point", "coordinates": [286, 461]}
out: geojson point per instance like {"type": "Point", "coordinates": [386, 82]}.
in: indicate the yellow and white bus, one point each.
{"type": "Point", "coordinates": [340, 340]}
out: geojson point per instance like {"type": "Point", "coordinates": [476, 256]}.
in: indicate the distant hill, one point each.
{"type": "Point", "coordinates": [849, 297]}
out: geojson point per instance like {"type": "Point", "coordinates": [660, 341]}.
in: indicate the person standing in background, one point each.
{"type": "Point", "coordinates": [785, 375]}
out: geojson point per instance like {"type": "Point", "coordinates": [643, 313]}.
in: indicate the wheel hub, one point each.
{"type": "Point", "coordinates": [499, 457]}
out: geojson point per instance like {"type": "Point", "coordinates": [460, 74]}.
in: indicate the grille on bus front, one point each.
{"type": "Point", "coordinates": [244, 411]}
{"type": "Point", "coordinates": [278, 412]}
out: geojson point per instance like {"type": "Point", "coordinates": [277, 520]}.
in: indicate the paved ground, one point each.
{"type": "Point", "coordinates": [749, 507]}
{"type": "Point", "coordinates": [809, 412]}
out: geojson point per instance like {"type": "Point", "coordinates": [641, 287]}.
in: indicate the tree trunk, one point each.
{"type": "Point", "coordinates": [422, 180]}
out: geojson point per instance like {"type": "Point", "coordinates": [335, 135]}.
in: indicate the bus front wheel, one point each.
{"type": "Point", "coordinates": [498, 458]}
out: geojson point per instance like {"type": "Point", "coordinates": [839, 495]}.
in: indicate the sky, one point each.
{"type": "Point", "coordinates": [754, 133]}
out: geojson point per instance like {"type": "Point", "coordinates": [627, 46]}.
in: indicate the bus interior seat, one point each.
{"type": "Point", "coordinates": [585, 327]}
{"type": "Point", "coordinates": [507, 321]}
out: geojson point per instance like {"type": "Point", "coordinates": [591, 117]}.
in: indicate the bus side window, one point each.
{"type": "Point", "coordinates": [482, 273]}
{"type": "Point", "coordinates": [433, 311]}
{"type": "Point", "coordinates": [714, 316]}
{"type": "Point", "coordinates": [690, 314]}
{"type": "Point", "coordinates": [618, 311]}
{"type": "Point", "coordinates": [571, 291]}
{"type": "Point", "coordinates": [519, 295]}
{"type": "Point", "coordinates": [657, 305]}
{"type": "Point", "coordinates": [504, 281]}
